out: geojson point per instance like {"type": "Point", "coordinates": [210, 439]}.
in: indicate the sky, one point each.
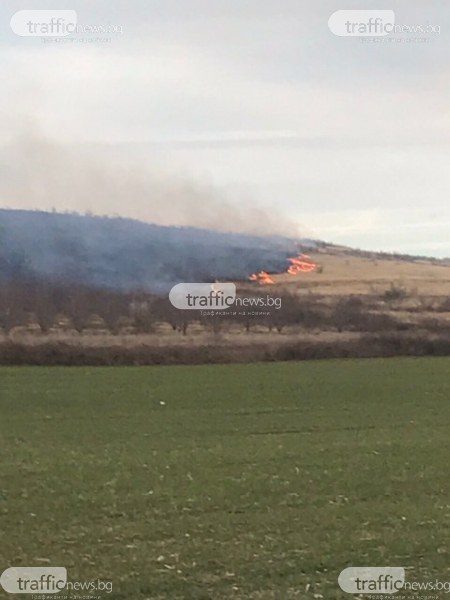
{"type": "Point", "coordinates": [239, 115]}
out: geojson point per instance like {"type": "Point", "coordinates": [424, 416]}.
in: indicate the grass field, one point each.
{"type": "Point", "coordinates": [353, 274]}
{"type": "Point", "coordinates": [257, 481]}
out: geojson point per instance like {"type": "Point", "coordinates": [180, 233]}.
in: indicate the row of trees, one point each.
{"type": "Point", "coordinates": [47, 305]}
{"type": "Point", "coordinates": [34, 302]}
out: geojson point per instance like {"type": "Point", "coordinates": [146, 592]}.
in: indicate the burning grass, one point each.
{"type": "Point", "coordinates": [298, 264]}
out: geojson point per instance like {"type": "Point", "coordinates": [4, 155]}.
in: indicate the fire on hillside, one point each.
{"type": "Point", "coordinates": [299, 264]}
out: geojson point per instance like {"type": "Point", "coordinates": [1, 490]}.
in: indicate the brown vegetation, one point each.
{"type": "Point", "coordinates": [42, 323]}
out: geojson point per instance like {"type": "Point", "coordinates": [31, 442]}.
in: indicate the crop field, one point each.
{"type": "Point", "coordinates": [258, 481]}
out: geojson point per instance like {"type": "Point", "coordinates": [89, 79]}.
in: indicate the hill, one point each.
{"type": "Point", "coordinates": [346, 271]}
{"type": "Point", "coordinates": [126, 254]}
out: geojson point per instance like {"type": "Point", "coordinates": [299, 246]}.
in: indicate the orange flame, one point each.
{"type": "Point", "coordinates": [299, 264]}
{"type": "Point", "coordinates": [262, 278]}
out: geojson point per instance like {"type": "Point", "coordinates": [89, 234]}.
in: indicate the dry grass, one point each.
{"type": "Point", "coordinates": [420, 309]}
{"type": "Point", "coordinates": [342, 274]}
{"type": "Point", "coordinates": [175, 339]}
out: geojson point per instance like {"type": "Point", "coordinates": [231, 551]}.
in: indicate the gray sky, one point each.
{"type": "Point", "coordinates": [246, 115]}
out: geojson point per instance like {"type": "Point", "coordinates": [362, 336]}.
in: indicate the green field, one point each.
{"type": "Point", "coordinates": [257, 481]}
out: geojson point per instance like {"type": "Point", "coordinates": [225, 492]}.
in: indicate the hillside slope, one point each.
{"type": "Point", "coordinates": [127, 254]}
{"type": "Point", "coordinates": [353, 272]}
